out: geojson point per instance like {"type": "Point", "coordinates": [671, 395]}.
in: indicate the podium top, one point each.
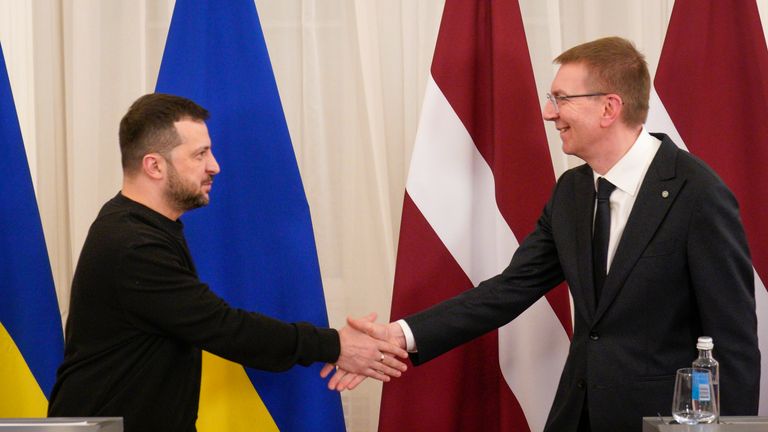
{"type": "Point", "coordinates": [727, 424]}
{"type": "Point", "coordinates": [62, 424]}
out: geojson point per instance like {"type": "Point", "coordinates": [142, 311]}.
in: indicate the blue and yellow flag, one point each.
{"type": "Point", "coordinates": [254, 243]}
{"type": "Point", "coordinates": [31, 338]}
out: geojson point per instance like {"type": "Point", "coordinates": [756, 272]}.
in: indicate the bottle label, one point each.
{"type": "Point", "coordinates": [701, 387]}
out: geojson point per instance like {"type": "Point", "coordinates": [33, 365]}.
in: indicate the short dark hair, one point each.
{"type": "Point", "coordinates": [148, 126]}
{"type": "Point", "coordinates": [615, 66]}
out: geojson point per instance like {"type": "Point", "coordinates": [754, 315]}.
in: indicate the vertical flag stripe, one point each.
{"type": "Point", "coordinates": [226, 390]}
{"type": "Point", "coordinates": [725, 68]}
{"type": "Point", "coordinates": [447, 173]}
{"type": "Point", "coordinates": [480, 174]}
{"type": "Point", "coordinates": [254, 243]}
{"type": "Point", "coordinates": [712, 80]}
{"type": "Point", "coordinates": [464, 388]}
{"type": "Point", "coordinates": [482, 65]}
{"type": "Point", "coordinates": [29, 311]}
{"type": "Point", "coordinates": [20, 395]}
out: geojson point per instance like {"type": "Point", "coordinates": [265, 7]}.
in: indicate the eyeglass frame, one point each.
{"type": "Point", "coordinates": [554, 98]}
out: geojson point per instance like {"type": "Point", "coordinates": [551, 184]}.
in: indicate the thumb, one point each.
{"type": "Point", "coordinates": [361, 324]}
{"type": "Point", "coordinates": [371, 317]}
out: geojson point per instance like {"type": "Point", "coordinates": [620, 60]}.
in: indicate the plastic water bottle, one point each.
{"type": "Point", "coordinates": [706, 361]}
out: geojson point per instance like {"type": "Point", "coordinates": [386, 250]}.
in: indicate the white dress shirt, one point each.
{"type": "Point", "coordinates": [627, 175]}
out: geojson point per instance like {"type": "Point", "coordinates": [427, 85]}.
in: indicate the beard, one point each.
{"type": "Point", "coordinates": [183, 194]}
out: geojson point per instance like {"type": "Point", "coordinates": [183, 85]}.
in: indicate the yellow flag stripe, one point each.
{"type": "Point", "coordinates": [20, 395]}
{"type": "Point", "coordinates": [228, 400]}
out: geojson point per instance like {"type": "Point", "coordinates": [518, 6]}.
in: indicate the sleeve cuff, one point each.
{"type": "Point", "coordinates": [317, 344]}
{"type": "Point", "coordinates": [330, 348]}
{"type": "Point", "coordinates": [410, 341]}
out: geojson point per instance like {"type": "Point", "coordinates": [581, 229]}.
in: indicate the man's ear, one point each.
{"type": "Point", "coordinates": [153, 164]}
{"type": "Point", "coordinates": [611, 109]}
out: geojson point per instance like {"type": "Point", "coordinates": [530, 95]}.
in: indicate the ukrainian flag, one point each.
{"type": "Point", "coordinates": [254, 243]}
{"type": "Point", "coordinates": [31, 338]}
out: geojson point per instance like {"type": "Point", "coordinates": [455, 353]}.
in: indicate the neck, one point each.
{"type": "Point", "coordinates": [613, 148]}
{"type": "Point", "coordinates": [149, 196]}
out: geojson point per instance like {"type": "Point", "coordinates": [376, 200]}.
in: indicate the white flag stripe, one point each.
{"type": "Point", "coordinates": [453, 187]}
{"type": "Point", "coordinates": [761, 300]}
{"type": "Point", "coordinates": [532, 352]}
{"type": "Point", "coordinates": [660, 121]}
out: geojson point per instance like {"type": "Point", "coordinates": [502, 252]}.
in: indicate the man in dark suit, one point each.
{"type": "Point", "coordinates": [668, 260]}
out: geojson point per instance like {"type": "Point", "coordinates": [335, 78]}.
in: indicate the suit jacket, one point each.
{"type": "Point", "coordinates": [681, 270]}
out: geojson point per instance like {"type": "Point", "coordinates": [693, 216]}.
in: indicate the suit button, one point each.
{"type": "Point", "coordinates": [594, 336]}
{"type": "Point", "coordinates": [581, 384]}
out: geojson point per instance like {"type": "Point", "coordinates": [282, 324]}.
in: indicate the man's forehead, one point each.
{"type": "Point", "coordinates": [193, 133]}
{"type": "Point", "coordinates": [569, 77]}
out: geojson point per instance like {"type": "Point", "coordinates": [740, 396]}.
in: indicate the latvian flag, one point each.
{"type": "Point", "coordinates": [712, 98]}
{"type": "Point", "coordinates": [480, 174]}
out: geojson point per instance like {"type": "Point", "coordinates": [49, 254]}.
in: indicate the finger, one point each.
{"type": "Point", "coordinates": [372, 373]}
{"type": "Point", "coordinates": [388, 370]}
{"type": "Point", "coordinates": [390, 348]}
{"type": "Point", "coordinates": [326, 370]}
{"type": "Point", "coordinates": [336, 378]}
{"type": "Point", "coordinates": [395, 363]}
{"type": "Point", "coordinates": [345, 381]}
{"type": "Point", "coordinates": [356, 381]}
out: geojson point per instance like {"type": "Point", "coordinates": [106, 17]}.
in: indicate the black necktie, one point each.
{"type": "Point", "coordinates": [601, 234]}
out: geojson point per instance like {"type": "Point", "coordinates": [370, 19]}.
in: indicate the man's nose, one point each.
{"type": "Point", "coordinates": [213, 166]}
{"type": "Point", "coordinates": [548, 111]}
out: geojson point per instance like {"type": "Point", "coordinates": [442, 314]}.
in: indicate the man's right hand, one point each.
{"type": "Point", "coordinates": [391, 332]}
{"type": "Point", "coordinates": [362, 356]}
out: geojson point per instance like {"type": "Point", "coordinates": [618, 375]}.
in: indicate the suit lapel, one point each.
{"type": "Point", "coordinates": [657, 193]}
{"type": "Point", "coordinates": [584, 209]}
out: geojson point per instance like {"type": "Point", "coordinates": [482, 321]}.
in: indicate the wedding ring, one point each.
{"type": "Point", "coordinates": [382, 358]}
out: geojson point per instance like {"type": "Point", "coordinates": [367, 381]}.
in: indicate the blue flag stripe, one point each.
{"type": "Point", "coordinates": [28, 310]}
{"type": "Point", "coordinates": [254, 244]}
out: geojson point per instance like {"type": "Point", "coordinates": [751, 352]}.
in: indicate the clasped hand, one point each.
{"type": "Point", "coordinates": [368, 349]}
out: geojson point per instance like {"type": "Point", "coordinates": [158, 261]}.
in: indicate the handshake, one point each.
{"type": "Point", "coordinates": [368, 349]}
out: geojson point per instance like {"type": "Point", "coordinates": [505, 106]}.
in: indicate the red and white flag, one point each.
{"type": "Point", "coordinates": [479, 177]}
{"type": "Point", "coordinates": [711, 97]}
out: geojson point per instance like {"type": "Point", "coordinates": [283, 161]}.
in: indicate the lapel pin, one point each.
{"type": "Point", "coordinates": [664, 194]}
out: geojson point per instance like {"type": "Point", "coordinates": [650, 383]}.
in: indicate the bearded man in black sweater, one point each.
{"type": "Point", "coordinates": [140, 316]}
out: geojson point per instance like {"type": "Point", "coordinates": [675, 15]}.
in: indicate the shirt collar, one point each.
{"type": "Point", "coordinates": [627, 174]}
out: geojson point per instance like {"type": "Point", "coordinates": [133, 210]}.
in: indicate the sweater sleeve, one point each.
{"type": "Point", "coordinates": [161, 295]}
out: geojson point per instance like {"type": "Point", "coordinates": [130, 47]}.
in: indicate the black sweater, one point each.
{"type": "Point", "coordinates": [139, 317]}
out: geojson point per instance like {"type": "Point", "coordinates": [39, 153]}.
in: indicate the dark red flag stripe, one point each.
{"type": "Point", "coordinates": [713, 81]}
{"type": "Point", "coordinates": [463, 389]}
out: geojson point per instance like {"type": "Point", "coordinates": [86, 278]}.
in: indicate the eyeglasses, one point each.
{"type": "Point", "coordinates": [561, 98]}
